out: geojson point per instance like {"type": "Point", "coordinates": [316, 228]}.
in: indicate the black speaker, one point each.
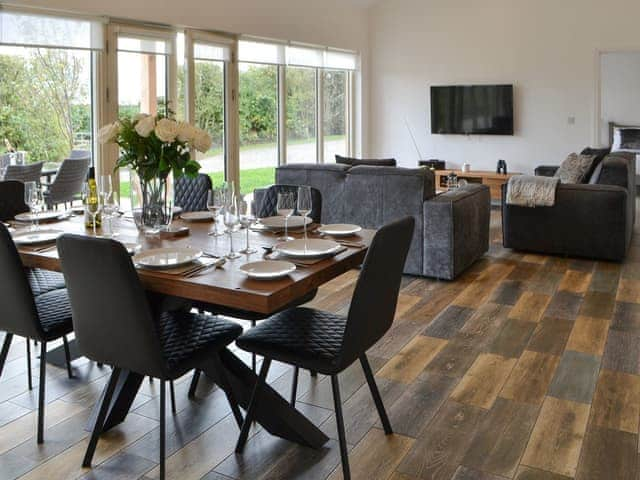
{"type": "Point", "coordinates": [433, 164]}
{"type": "Point", "coordinates": [501, 167]}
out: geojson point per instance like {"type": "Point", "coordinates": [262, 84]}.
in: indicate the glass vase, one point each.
{"type": "Point", "coordinates": [151, 203]}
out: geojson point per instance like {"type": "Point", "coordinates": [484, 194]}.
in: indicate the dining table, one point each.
{"type": "Point", "coordinates": [228, 287]}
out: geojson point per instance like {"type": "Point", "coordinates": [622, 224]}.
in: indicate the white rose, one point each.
{"type": "Point", "coordinates": [109, 133]}
{"type": "Point", "coordinates": [186, 132]}
{"type": "Point", "coordinates": [202, 141]}
{"type": "Point", "coordinates": [145, 126]}
{"type": "Point", "coordinates": [166, 130]}
{"type": "Point", "coordinates": [139, 117]}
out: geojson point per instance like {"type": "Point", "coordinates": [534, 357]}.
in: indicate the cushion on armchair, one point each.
{"type": "Point", "coordinates": [575, 168]}
{"type": "Point", "coordinates": [373, 162]}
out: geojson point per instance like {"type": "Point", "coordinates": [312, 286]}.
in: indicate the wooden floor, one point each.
{"type": "Point", "coordinates": [527, 367]}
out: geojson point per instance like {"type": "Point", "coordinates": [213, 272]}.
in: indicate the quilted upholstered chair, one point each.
{"type": "Point", "coordinates": [115, 325]}
{"type": "Point", "coordinates": [32, 305]}
{"type": "Point", "coordinates": [191, 193]}
{"type": "Point", "coordinates": [329, 343]}
{"type": "Point", "coordinates": [267, 207]}
{"type": "Point", "coordinates": [24, 173]}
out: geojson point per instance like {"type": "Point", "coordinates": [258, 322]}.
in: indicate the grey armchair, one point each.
{"type": "Point", "coordinates": [24, 173]}
{"type": "Point", "coordinates": [68, 182]}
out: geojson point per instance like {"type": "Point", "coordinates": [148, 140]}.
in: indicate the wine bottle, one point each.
{"type": "Point", "coordinates": [92, 201]}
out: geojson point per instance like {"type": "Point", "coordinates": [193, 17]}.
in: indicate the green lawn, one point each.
{"type": "Point", "coordinates": [249, 180]}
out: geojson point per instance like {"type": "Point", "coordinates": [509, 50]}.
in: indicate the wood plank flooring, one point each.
{"type": "Point", "coordinates": [526, 368]}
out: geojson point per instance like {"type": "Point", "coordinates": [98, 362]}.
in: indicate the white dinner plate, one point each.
{"type": "Point", "coordinates": [268, 269]}
{"type": "Point", "coordinates": [277, 223]}
{"type": "Point", "coordinates": [35, 237]}
{"type": "Point", "coordinates": [42, 216]}
{"type": "Point", "coordinates": [340, 229]}
{"type": "Point", "coordinates": [166, 257]}
{"type": "Point", "coordinates": [197, 216]}
{"type": "Point", "coordinates": [310, 248]}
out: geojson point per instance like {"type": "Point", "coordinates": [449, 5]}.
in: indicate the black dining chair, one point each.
{"type": "Point", "coordinates": [35, 306]}
{"type": "Point", "coordinates": [191, 193]}
{"type": "Point", "coordinates": [267, 206]}
{"type": "Point", "coordinates": [24, 173]}
{"type": "Point", "coordinates": [329, 343]}
{"type": "Point", "coordinates": [115, 325]}
{"type": "Point", "coordinates": [67, 184]}
{"type": "Point", "coordinates": [11, 199]}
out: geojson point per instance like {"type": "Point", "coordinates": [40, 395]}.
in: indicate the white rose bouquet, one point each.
{"type": "Point", "coordinates": [154, 147]}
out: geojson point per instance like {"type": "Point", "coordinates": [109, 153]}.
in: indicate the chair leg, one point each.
{"type": "Point", "coordinates": [253, 355]}
{"type": "Point", "coordinates": [43, 367]}
{"type": "Point", "coordinates": [225, 384]}
{"type": "Point", "coordinates": [102, 414]}
{"type": "Point", "coordinates": [194, 383]}
{"type": "Point", "coordinates": [67, 355]}
{"type": "Point", "coordinates": [173, 398]}
{"type": "Point", "coordinates": [5, 349]}
{"type": "Point", "coordinates": [163, 428]}
{"type": "Point", "coordinates": [253, 404]}
{"type": "Point", "coordinates": [344, 453]}
{"type": "Point", "coordinates": [29, 379]}
{"type": "Point", "coordinates": [294, 386]}
{"type": "Point", "coordinates": [376, 395]}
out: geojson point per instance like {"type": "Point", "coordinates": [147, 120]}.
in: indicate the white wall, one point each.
{"type": "Point", "coordinates": [329, 23]}
{"type": "Point", "coordinates": [546, 48]}
{"type": "Point", "coordinates": [620, 90]}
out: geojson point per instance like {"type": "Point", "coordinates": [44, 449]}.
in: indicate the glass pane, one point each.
{"type": "Point", "coordinates": [142, 88]}
{"type": "Point", "coordinates": [334, 114]}
{"type": "Point", "coordinates": [258, 125]}
{"type": "Point", "coordinates": [209, 115]}
{"type": "Point", "coordinates": [45, 102]}
{"type": "Point", "coordinates": [301, 115]}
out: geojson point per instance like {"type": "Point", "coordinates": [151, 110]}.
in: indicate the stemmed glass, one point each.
{"type": "Point", "coordinates": [285, 207]}
{"type": "Point", "coordinates": [246, 219]}
{"type": "Point", "coordinates": [106, 188]}
{"type": "Point", "coordinates": [305, 205]}
{"type": "Point", "coordinates": [93, 209]}
{"type": "Point", "coordinates": [231, 221]}
{"type": "Point", "coordinates": [109, 210]}
{"type": "Point", "coordinates": [215, 201]}
{"type": "Point", "coordinates": [33, 199]}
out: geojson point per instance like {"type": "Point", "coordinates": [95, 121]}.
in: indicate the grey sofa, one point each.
{"type": "Point", "coordinates": [593, 219]}
{"type": "Point", "coordinates": [452, 230]}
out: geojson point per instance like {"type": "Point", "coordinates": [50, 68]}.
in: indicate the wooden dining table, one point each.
{"type": "Point", "coordinates": [228, 287]}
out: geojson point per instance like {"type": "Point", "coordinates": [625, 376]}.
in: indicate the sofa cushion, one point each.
{"type": "Point", "coordinates": [574, 168]}
{"type": "Point", "coordinates": [375, 162]}
{"type": "Point", "coordinates": [599, 154]}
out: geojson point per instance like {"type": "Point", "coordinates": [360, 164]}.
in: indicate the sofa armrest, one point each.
{"type": "Point", "coordinates": [545, 170]}
{"type": "Point", "coordinates": [456, 230]}
{"type": "Point", "coordinates": [587, 221]}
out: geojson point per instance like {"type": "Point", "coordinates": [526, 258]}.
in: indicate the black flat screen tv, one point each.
{"type": "Point", "coordinates": [472, 109]}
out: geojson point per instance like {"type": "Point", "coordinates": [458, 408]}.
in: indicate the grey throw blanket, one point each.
{"type": "Point", "coordinates": [530, 191]}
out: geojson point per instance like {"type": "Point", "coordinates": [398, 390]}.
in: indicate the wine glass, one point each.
{"type": "Point", "coordinates": [246, 219]}
{"type": "Point", "coordinates": [106, 188]}
{"type": "Point", "coordinates": [305, 205]}
{"type": "Point", "coordinates": [93, 209]}
{"type": "Point", "coordinates": [215, 201]}
{"type": "Point", "coordinates": [285, 207]}
{"type": "Point", "coordinates": [109, 210]}
{"type": "Point", "coordinates": [231, 221]}
{"type": "Point", "coordinates": [33, 199]}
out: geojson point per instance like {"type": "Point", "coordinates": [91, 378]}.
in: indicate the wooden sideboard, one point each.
{"type": "Point", "coordinates": [491, 179]}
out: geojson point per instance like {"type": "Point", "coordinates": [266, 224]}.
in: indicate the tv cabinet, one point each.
{"type": "Point", "coordinates": [491, 179]}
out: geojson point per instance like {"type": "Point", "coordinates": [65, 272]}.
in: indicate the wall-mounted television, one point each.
{"type": "Point", "coordinates": [472, 109]}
